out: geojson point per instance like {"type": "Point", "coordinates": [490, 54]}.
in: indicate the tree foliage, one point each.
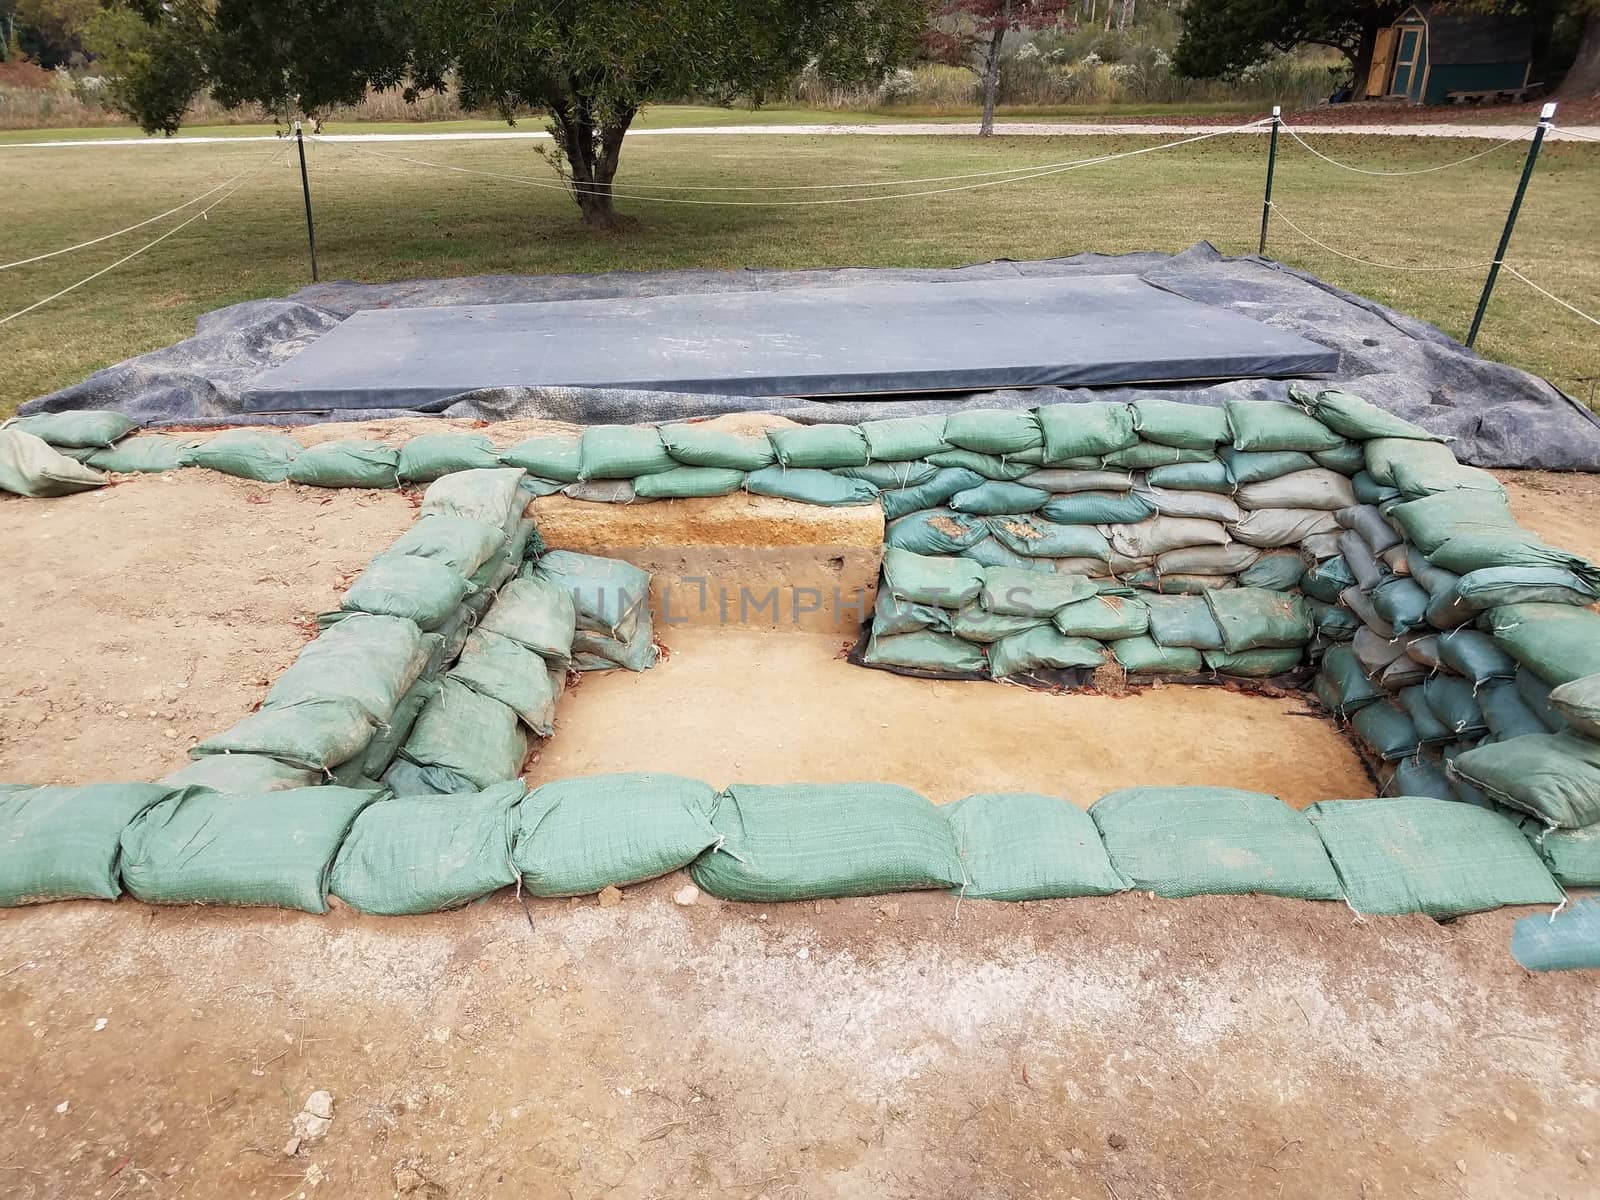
{"type": "Point", "coordinates": [1223, 37]}
{"type": "Point", "coordinates": [971, 33]}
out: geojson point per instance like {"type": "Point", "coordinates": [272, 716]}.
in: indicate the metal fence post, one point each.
{"type": "Point", "coordinates": [1511, 221]}
{"type": "Point", "coordinates": [305, 187]}
{"type": "Point", "coordinates": [1272, 161]}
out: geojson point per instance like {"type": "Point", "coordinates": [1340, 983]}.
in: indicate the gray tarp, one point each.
{"type": "Point", "coordinates": [1500, 416]}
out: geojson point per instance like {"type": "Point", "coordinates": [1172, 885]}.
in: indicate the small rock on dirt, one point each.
{"type": "Point", "coordinates": [1116, 1141]}
{"type": "Point", "coordinates": [312, 1121]}
{"type": "Point", "coordinates": [686, 895]}
{"type": "Point", "coordinates": [610, 897]}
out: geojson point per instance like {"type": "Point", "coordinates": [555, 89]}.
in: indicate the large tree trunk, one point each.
{"type": "Point", "coordinates": [991, 71]}
{"type": "Point", "coordinates": [1583, 78]}
{"type": "Point", "coordinates": [592, 149]}
{"type": "Point", "coordinates": [1373, 18]}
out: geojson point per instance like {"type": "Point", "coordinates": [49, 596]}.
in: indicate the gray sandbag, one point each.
{"type": "Point", "coordinates": [497, 667]}
{"type": "Point", "coordinates": [1375, 652]}
{"type": "Point", "coordinates": [1180, 842]}
{"type": "Point", "coordinates": [1097, 508]}
{"type": "Point", "coordinates": [622, 452]}
{"type": "Point", "coordinates": [422, 854]}
{"type": "Point", "coordinates": [199, 847]}
{"type": "Point", "coordinates": [1043, 647]}
{"type": "Point", "coordinates": [1023, 846]}
{"type": "Point", "coordinates": [318, 734]}
{"type": "Point", "coordinates": [29, 466]}
{"type": "Point", "coordinates": [1435, 579]}
{"type": "Point", "coordinates": [1178, 584]}
{"type": "Point", "coordinates": [433, 455]}
{"type": "Point", "coordinates": [1142, 655]}
{"type": "Point", "coordinates": [1317, 488]}
{"type": "Point", "coordinates": [578, 836]}
{"type": "Point", "coordinates": [473, 735]}
{"type": "Point", "coordinates": [926, 650]}
{"type": "Point", "coordinates": [813, 841]}
{"type": "Point", "coordinates": [1011, 592]}
{"type": "Point", "coordinates": [369, 659]}
{"type": "Point", "coordinates": [1315, 547]}
{"type": "Point", "coordinates": [1387, 730]}
{"type": "Point", "coordinates": [1418, 854]}
{"type": "Point", "coordinates": [1506, 713]}
{"type": "Point", "coordinates": [993, 430]}
{"type": "Point", "coordinates": [1095, 428]}
{"type": "Point", "coordinates": [1359, 558]}
{"type": "Point", "coordinates": [1106, 617]}
{"type": "Point", "coordinates": [63, 843]}
{"type": "Point", "coordinates": [1578, 702]}
{"type": "Point", "coordinates": [901, 439]}
{"type": "Point", "coordinates": [1183, 621]}
{"type": "Point", "coordinates": [1361, 604]}
{"type": "Point", "coordinates": [945, 482]}
{"type": "Point", "coordinates": [810, 487]}
{"type": "Point", "coordinates": [1369, 522]}
{"type": "Point", "coordinates": [1231, 559]}
{"type": "Point", "coordinates": [1062, 481]}
{"type": "Point", "coordinates": [1262, 663]}
{"type": "Point", "coordinates": [1269, 425]}
{"type": "Point", "coordinates": [537, 612]}
{"type": "Point", "coordinates": [602, 491]}
{"type": "Point", "coordinates": [1175, 423]}
{"type": "Point", "coordinates": [347, 463]}
{"type": "Point", "coordinates": [1273, 528]}
{"type": "Point", "coordinates": [819, 446]}
{"type": "Point", "coordinates": [1424, 649]}
{"type": "Point", "coordinates": [1557, 642]}
{"type": "Point", "coordinates": [1554, 776]}
{"type": "Point", "coordinates": [1148, 539]}
{"type": "Point", "coordinates": [695, 445]}
{"type": "Point", "coordinates": [1402, 673]}
{"type": "Point", "coordinates": [609, 595]}
{"type": "Point", "coordinates": [1208, 506]}
{"type": "Point", "coordinates": [994, 498]}
{"type": "Point", "coordinates": [1258, 619]}
{"type": "Point", "coordinates": [553, 457]}
{"type": "Point", "coordinates": [1033, 537]}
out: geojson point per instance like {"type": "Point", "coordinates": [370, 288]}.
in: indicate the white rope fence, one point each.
{"type": "Point", "coordinates": [1567, 131]}
{"type": "Point", "coordinates": [1290, 130]}
{"type": "Point", "coordinates": [1571, 308]}
{"type": "Point", "coordinates": [1369, 262]}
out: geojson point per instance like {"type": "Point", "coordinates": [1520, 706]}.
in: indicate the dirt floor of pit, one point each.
{"type": "Point", "coordinates": [1120, 1049]}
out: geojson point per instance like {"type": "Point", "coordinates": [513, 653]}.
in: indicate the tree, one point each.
{"type": "Point", "coordinates": [589, 65]}
{"type": "Point", "coordinates": [51, 31]}
{"type": "Point", "coordinates": [968, 32]}
{"type": "Point", "coordinates": [1583, 77]}
{"type": "Point", "coordinates": [1223, 37]}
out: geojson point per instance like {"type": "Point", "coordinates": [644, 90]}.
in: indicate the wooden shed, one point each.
{"type": "Point", "coordinates": [1434, 53]}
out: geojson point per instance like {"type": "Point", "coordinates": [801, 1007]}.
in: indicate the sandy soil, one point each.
{"type": "Point", "coordinates": [1117, 1049]}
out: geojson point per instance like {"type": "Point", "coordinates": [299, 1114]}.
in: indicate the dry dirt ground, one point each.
{"type": "Point", "coordinates": [1120, 1049]}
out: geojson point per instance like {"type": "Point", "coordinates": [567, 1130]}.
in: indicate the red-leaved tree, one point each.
{"type": "Point", "coordinates": [969, 33]}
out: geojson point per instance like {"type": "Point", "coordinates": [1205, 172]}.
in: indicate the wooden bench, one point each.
{"type": "Point", "coordinates": [1495, 95]}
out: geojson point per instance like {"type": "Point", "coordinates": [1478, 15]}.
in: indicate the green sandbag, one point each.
{"type": "Point", "coordinates": [1352, 417]}
{"type": "Point", "coordinates": [810, 486]}
{"type": "Point", "coordinates": [609, 595]}
{"type": "Point", "coordinates": [991, 553]}
{"type": "Point", "coordinates": [927, 650]}
{"type": "Point", "coordinates": [1174, 423]}
{"type": "Point", "coordinates": [1145, 456]}
{"type": "Point", "coordinates": [1277, 572]}
{"type": "Point", "coordinates": [209, 848]}
{"type": "Point", "coordinates": [1475, 551]}
{"type": "Point", "coordinates": [1183, 621]}
{"type": "Point", "coordinates": [547, 455]}
{"type": "Point", "coordinates": [29, 466]}
{"type": "Point", "coordinates": [895, 476]}
{"type": "Point", "coordinates": [1419, 776]}
{"type": "Point", "coordinates": [1096, 427]}
{"type": "Point", "coordinates": [1023, 846]}
{"type": "Point", "coordinates": [621, 452]}
{"type": "Point", "coordinates": [935, 531]}
{"type": "Point", "coordinates": [1572, 856]}
{"type": "Point", "coordinates": [1385, 455]}
{"type": "Point", "coordinates": [1106, 618]}
{"type": "Point", "coordinates": [422, 854]}
{"type": "Point", "coordinates": [1097, 508]}
{"type": "Point", "coordinates": [386, 742]}
{"type": "Point", "coordinates": [1334, 621]}
{"type": "Point", "coordinates": [1268, 425]}
{"type": "Point", "coordinates": [1209, 476]}
{"type": "Point", "coordinates": [1387, 730]}
{"type": "Point", "coordinates": [1428, 523]}
{"type": "Point", "coordinates": [891, 616]}
{"type": "Point", "coordinates": [62, 843]}
{"type": "Point", "coordinates": [78, 428]}
{"type": "Point", "coordinates": [1369, 491]}
{"type": "Point", "coordinates": [1013, 592]}
{"type": "Point", "coordinates": [996, 498]}
{"type": "Point", "coordinates": [473, 735]}
{"type": "Point", "coordinates": [1402, 602]}
{"type": "Point", "coordinates": [1258, 619]}
{"type": "Point", "coordinates": [1554, 776]}
{"type": "Point", "coordinates": [991, 466]}
{"type": "Point", "coordinates": [1342, 686]}
{"type": "Point", "coordinates": [976, 624]}
{"type": "Point", "coordinates": [432, 455]}
{"type": "Point", "coordinates": [1416, 480]}
{"type": "Point", "coordinates": [1254, 664]}
{"type": "Point", "coordinates": [1033, 537]}
{"type": "Point", "coordinates": [347, 463]}
{"type": "Point", "coordinates": [597, 652]}
{"type": "Point", "coordinates": [145, 455]}
{"type": "Point", "coordinates": [460, 543]}
{"type": "Point", "coordinates": [491, 496]}
{"type": "Point", "coordinates": [1506, 713]}
{"type": "Point", "coordinates": [1348, 459]}
{"type": "Point", "coordinates": [1453, 701]}
{"type": "Point", "coordinates": [578, 836]}
{"type": "Point", "coordinates": [924, 579]}
{"type": "Point", "coordinates": [1578, 701]}
{"type": "Point", "coordinates": [1258, 466]}
{"type": "Point", "coordinates": [1537, 694]}
{"type": "Point", "coordinates": [819, 446]}
{"type": "Point", "coordinates": [315, 734]}
{"type": "Point", "coordinates": [242, 774]}
{"type": "Point", "coordinates": [1043, 647]}
{"type": "Point", "coordinates": [1327, 579]}
{"type": "Point", "coordinates": [683, 482]}
{"type": "Point", "coordinates": [814, 841]}
{"type": "Point", "coordinates": [1494, 586]}
{"type": "Point", "coordinates": [1430, 730]}
{"type": "Point", "coordinates": [994, 430]}
{"type": "Point", "coordinates": [946, 482]}
{"type": "Point", "coordinates": [697, 445]}
{"type": "Point", "coordinates": [504, 670]}
{"type": "Point", "coordinates": [401, 585]}
{"type": "Point", "coordinates": [1416, 854]}
{"type": "Point", "coordinates": [901, 439]}
{"type": "Point", "coordinates": [1476, 655]}
{"type": "Point", "coordinates": [1141, 655]}
{"type": "Point", "coordinates": [1563, 941]}
{"type": "Point", "coordinates": [1193, 841]}
{"type": "Point", "coordinates": [405, 778]}
{"type": "Point", "coordinates": [1557, 642]}
{"type": "Point", "coordinates": [539, 613]}
{"type": "Point", "coordinates": [369, 659]}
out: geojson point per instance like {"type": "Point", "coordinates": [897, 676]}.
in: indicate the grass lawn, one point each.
{"type": "Point", "coordinates": [382, 220]}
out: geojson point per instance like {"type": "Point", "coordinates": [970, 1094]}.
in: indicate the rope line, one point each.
{"type": "Point", "coordinates": [1521, 137]}
{"type": "Point", "coordinates": [1510, 270]}
{"type": "Point", "coordinates": [241, 180]}
{"type": "Point", "coordinates": [1573, 133]}
{"type": "Point", "coordinates": [1012, 175]}
{"type": "Point", "coordinates": [23, 262]}
{"type": "Point", "coordinates": [1369, 261]}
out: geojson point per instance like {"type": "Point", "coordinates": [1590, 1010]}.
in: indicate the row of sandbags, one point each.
{"type": "Point", "coordinates": [381, 853]}
{"type": "Point", "coordinates": [951, 616]}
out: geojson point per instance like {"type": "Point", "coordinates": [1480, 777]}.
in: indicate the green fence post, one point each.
{"type": "Point", "coordinates": [1511, 221]}
{"type": "Point", "coordinates": [1272, 161]}
{"type": "Point", "coordinates": [305, 187]}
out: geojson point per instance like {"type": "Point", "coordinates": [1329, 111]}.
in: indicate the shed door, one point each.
{"type": "Point", "coordinates": [1382, 62]}
{"type": "Point", "coordinates": [1406, 59]}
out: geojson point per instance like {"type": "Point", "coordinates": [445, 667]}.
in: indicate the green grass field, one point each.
{"type": "Point", "coordinates": [379, 219]}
